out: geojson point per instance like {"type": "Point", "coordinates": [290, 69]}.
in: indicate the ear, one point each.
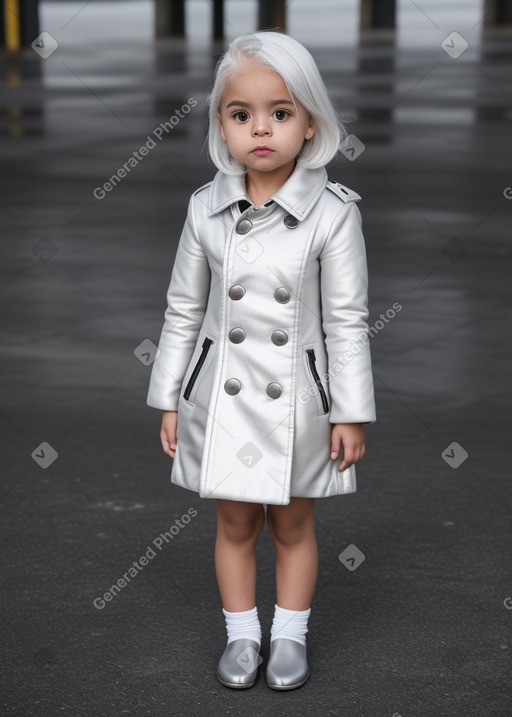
{"type": "Point", "coordinates": [311, 129]}
{"type": "Point", "coordinates": [221, 128]}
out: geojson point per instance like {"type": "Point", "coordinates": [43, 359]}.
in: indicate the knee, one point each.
{"type": "Point", "coordinates": [289, 532]}
{"type": "Point", "coordinates": [241, 529]}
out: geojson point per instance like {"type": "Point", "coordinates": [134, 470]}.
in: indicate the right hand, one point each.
{"type": "Point", "coordinates": [168, 434]}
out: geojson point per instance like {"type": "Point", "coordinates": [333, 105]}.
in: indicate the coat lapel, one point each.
{"type": "Point", "coordinates": [297, 196]}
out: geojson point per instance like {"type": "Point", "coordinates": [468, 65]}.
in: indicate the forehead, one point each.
{"type": "Point", "coordinates": [255, 82]}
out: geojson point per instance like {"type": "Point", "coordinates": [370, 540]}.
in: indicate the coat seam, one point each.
{"type": "Point", "coordinates": [344, 208]}
{"type": "Point", "coordinates": [211, 427]}
{"type": "Point", "coordinates": [298, 317]}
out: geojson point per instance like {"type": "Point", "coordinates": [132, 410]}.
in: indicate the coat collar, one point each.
{"type": "Point", "coordinates": [297, 196]}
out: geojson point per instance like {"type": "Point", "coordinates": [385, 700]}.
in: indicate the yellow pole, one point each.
{"type": "Point", "coordinates": [12, 24]}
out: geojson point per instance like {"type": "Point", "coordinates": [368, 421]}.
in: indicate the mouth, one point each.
{"type": "Point", "coordinates": [261, 151]}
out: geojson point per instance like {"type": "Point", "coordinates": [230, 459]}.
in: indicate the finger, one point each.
{"type": "Point", "coordinates": [335, 446]}
{"type": "Point", "coordinates": [353, 454]}
{"type": "Point", "coordinates": [348, 458]}
{"type": "Point", "coordinates": [167, 445]}
{"type": "Point", "coordinates": [359, 453]}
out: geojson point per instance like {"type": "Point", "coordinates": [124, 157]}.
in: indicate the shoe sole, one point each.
{"type": "Point", "coordinates": [236, 685]}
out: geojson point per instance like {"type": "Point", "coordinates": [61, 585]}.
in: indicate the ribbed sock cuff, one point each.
{"type": "Point", "coordinates": [245, 623]}
{"type": "Point", "coordinates": [290, 624]}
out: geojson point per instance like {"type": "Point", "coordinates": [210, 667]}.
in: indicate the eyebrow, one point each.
{"type": "Point", "coordinates": [239, 103]}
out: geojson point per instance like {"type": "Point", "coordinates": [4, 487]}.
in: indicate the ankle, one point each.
{"type": "Point", "coordinates": [243, 624]}
{"type": "Point", "coordinates": [290, 624]}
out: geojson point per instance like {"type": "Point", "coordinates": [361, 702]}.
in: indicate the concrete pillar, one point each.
{"type": "Point", "coordinates": [497, 13]}
{"type": "Point", "coordinates": [170, 18]}
{"type": "Point", "coordinates": [271, 14]}
{"type": "Point", "coordinates": [19, 23]}
{"type": "Point", "coordinates": [377, 14]}
{"type": "Point", "coordinates": [218, 19]}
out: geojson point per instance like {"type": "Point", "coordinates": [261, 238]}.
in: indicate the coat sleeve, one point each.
{"type": "Point", "coordinates": [344, 295]}
{"type": "Point", "coordinates": [187, 298]}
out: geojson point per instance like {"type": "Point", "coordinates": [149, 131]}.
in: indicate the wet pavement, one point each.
{"type": "Point", "coordinates": [422, 626]}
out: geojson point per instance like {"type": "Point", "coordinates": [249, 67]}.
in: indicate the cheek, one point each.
{"type": "Point", "coordinates": [234, 138]}
{"type": "Point", "coordinates": [296, 138]}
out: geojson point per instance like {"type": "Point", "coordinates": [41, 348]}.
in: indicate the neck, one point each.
{"type": "Point", "coordinates": [260, 186]}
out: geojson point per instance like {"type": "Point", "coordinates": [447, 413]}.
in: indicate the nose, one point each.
{"type": "Point", "coordinates": [261, 126]}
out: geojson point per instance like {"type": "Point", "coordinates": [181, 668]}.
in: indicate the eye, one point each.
{"type": "Point", "coordinates": [281, 114]}
{"type": "Point", "coordinates": [241, 116]}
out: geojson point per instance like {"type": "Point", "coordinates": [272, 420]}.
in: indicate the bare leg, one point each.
{"type": "Point", "coordinates": [238, 527]}
{"type": "Point", "coordinates": [292, 528]}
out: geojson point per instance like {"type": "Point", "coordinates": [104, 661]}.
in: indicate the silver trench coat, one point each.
{"type": "Point", "coordinates": [265, 342]}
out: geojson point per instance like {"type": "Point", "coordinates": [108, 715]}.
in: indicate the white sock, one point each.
{"type": "Point", "coordinates": [291, 624]}
{"type": "Point", "coordinates": [243, 624]}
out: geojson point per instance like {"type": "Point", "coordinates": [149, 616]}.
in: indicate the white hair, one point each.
{"type": "Point", "coordinates": [296, 66]}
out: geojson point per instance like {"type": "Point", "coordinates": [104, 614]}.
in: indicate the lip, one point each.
{"type": "Point", "coordinates": [262, 151]}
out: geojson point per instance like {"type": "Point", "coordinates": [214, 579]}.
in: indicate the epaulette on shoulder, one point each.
{"type": "Point", "coordinates": [348, 195]}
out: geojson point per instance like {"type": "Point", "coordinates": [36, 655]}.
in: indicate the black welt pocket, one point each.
{"type": "Point", "coordinates": [312, 360]}
{"type": "Point", "coordinates": [200, 361]}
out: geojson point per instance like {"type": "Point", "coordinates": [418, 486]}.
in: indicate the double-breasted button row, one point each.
{"type": "Point", "coordinates": [281, 294]}
{"type": "Point", "coordinates": [244, 226]}
{"type": "Point", "coordinates": [237, 335]}
{"type": "Point", "coordinates": [233, 386]}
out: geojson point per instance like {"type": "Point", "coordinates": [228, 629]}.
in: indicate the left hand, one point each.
{"type": "Point", "coordinates": [350, 436]}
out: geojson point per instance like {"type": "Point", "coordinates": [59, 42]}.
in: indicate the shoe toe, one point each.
{"type": "Point", "coordinates": [239, 664]}
{"type": "Point", "coordinates": [287, 666]}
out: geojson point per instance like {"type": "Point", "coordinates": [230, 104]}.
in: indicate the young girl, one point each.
{"type": "Point", "coordinates": [264, 372]}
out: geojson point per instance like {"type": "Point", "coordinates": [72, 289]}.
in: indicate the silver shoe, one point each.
{"type": "Point", "coordinates": [239, 664]}
{"type": "Point", "coordinates": [287, 666]}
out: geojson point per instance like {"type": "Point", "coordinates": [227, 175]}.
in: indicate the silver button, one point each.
{"type": "Point", "coordinates": [290, 221]}
{"type": "Point", "coordinates": [279, 338]}
{"type": "Point", "coordinates": [244, 226]}
{"type": "Point", "coordinates": [237, 335]}
{"type": "Point", "coordinates": [236, 292]}
{"type": "Point", "coordinates": [274, 390]}
{"type": "Point", "coordinates": [282, 295]}
{"type": "Point", "coordinates": [232, 386]}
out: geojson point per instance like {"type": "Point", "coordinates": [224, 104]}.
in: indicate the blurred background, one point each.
{"type": "Point", "coordinates": [320, 23]}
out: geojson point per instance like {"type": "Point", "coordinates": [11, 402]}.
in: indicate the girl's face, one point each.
{"type": "Point", "coordinates": [258, 121]}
